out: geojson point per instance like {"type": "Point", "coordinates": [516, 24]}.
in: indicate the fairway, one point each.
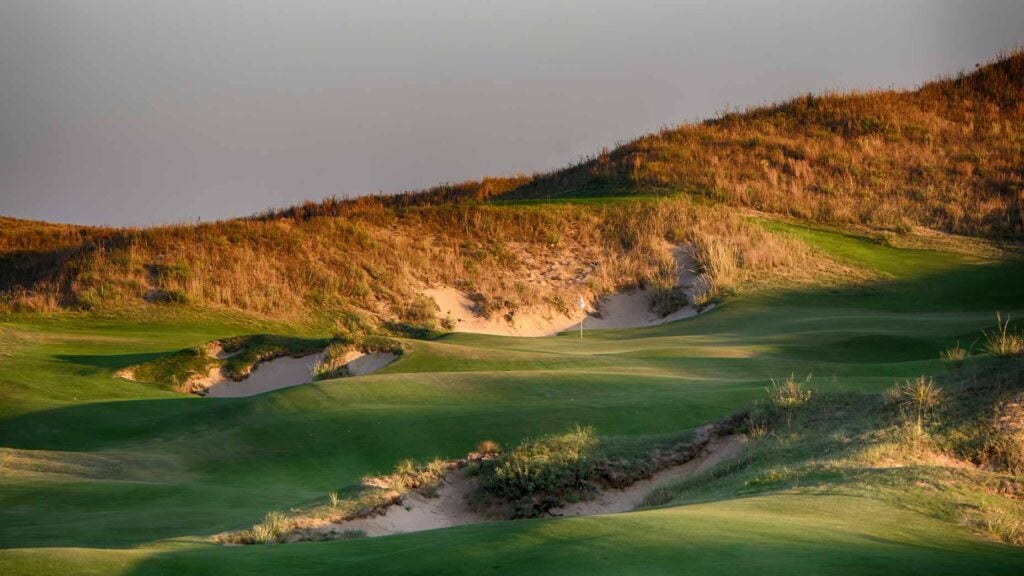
{"type": "Point", "coordinates": [111, 476]}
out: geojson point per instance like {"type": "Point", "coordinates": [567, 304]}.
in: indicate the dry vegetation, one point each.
{"type": "Point", "coordinates": [366, 268]}
{"type": "Point", "coordinates": [945, 156]}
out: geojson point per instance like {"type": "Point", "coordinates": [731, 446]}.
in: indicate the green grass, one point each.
{"type": "Point", "coordinates": [123, 477]}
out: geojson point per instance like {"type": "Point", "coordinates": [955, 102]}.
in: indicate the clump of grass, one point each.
{"type": "Point", "coordinates": [1002, 341]}
{"type": "Point", "coordinates": [790, 392]}
{"type": "Point", "coordinates": [272, 529]}
{"type": "Point", "coordinates": [488, 448]}
{"type": "Point", "coordinates": [918, 396]}
{"type": "Point", "coordinates": [1005, 526]}
{"type": "Point", "coordinates": [956, 354]}
{"type": "Point", "coordinates": [334, 500]}
{"type": "Point", "coordinates": [177, 369]}
{"type": "Point", "coordinates": [540, 475]}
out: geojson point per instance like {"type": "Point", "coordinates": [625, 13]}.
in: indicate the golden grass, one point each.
{"type": "Point", "coordinates": [945, 156]}
{"type": "Point", "coordinates": [367, 268]}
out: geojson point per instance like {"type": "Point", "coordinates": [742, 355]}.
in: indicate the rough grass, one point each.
{"type": "Point", "coordinates": [359, 271]}
{"type": "Point", "coordinates": [1003, 341]}
{"type": "Point", "coordinates": [945, 458]}
{"type": "Point", "coordinates": [944, 156]}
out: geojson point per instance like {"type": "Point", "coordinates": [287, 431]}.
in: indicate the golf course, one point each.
{"type": "Point", "coordinates": [804, 388]}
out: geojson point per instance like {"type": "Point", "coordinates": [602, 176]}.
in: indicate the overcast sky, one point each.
{"type": "Point", "coordinates": [140, 112]}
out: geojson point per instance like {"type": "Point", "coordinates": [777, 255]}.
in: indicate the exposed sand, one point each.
{"type": "Point", "coordinates": [418, 513]}
{"type": "Point", "coordinates": [612, 501]}
{"type": "Point", "coordinates": [631, 309]}
{"type": "Point", "coordinates": [266, 376]}
{"type": "Point", "coordinates": [360, 363]}
{"type": "Point", "coordinates": [451, 508]}
{"type": "Point", "coordinates": [455, 305]}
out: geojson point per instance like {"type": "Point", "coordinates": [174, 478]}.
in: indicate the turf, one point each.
{"type": "Point", "coordinates": [113, 476]}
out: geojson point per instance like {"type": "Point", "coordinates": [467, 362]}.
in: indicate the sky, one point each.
{"type": "Point", "coordinates": [122, 112]}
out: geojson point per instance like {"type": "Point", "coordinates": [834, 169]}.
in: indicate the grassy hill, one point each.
{"type": "Point", "coordinates": [845, 278]}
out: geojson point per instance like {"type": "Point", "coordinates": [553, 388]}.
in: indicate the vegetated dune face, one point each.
{"type": "Point", "coordinates": [626, 309]}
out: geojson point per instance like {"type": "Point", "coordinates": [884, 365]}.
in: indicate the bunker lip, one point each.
{"type": "Point", "coordinates": [270, 374]}
{"type": "Point", "coordinates": [449, 504]}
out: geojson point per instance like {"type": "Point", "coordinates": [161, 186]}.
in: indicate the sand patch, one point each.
{"type": "Point", "coordinates": [362, 363]}
{"type": "Point", "coordinates": [451, 507]}
{"type": "Point", "coordinates": [417, 512]}
{"type": "Point", "coordinates": [629, 498]}
{"type": "Point", "coordinates": [629, 309]}
{"type": "Point", "coordinates": [270, 375]}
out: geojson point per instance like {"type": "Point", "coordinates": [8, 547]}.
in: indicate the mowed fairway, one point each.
{"type": "Point", "coordinates": [105, 475]}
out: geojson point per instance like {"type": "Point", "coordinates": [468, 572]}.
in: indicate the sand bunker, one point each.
{"type": "Point", "coordinates": [612, 501]}
{"type": "Point", "coordinates": [451, 507]}
{"type": "Point", "coordinates": [273, 374]}
{"type": "Point", "coordinates": [630, 309]}
{"type": "Point", "coordinates": [358, 363]}
{"type": "Point", "coordinates": [266, 376]}
{"type": "Point", "coordinates": [286, 372]}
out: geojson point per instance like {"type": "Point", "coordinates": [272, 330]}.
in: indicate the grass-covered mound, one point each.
{"type": "Point", "coordinates": [949, 448]}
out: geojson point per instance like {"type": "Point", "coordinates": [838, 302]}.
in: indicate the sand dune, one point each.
{"type": "Point", "coordinates": [628, 309]}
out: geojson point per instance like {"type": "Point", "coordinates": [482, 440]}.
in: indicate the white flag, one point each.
{"type": "Point", "coordinates": [583, 303]}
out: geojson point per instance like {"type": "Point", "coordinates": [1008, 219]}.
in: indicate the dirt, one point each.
{"type": "Point", "coordinates": [628, 309]}
{"type": "Point", "coordinates": [451, 508]}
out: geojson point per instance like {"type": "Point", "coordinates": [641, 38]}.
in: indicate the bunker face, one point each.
{"type": "Point", "coordinates": [266, 376]}
{"type": "Point", "coordinates": [286, 372]}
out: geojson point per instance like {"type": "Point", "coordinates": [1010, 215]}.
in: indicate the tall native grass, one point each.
{"type": "Point", "coordinates": [944, 156]}
{"type": "Point", "coordinates": [1003, 341]}
{"type": "Point", "coordinates": [363, 270]}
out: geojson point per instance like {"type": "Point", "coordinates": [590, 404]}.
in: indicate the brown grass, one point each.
{"type": "Point", "coordinates": [945, 156]}
{"type": "Point", "coordinates": [367, 268]}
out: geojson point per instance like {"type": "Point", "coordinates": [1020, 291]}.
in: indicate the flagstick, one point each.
{"type": "Point", "coordinates": [583, 315]}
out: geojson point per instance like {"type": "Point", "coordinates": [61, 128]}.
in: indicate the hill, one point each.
{"type": "Point", "coordinates": [945, 157]}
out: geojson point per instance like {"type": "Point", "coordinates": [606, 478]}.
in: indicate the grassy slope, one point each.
{"type": "Point", "coordinates": [138, 465]}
